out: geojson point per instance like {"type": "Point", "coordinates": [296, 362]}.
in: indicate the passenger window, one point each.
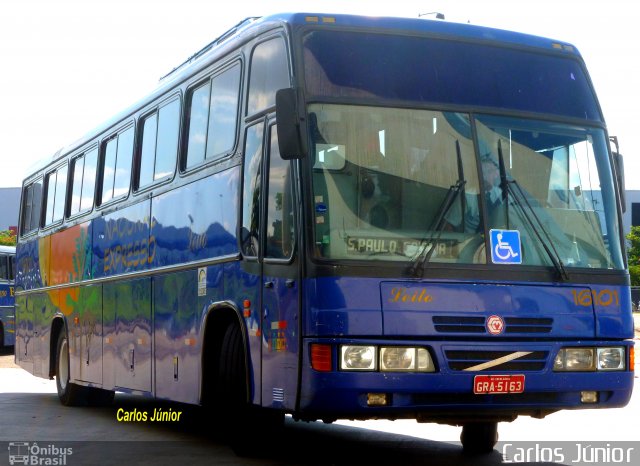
{"type": "Point", "coordinates": [198, 122]}
{"type": "Point", "coordinates": [32, 198]}
{"type": "Point", "coordinates": [56, 191]}
{"type": "Point", "coordinates": [269, 73]}
{"type": "Point", "coordinates": [4, 268]}
{"type": "Point", "coordinates": [213, 117]}
{"type": "Point", "coordinates": [116, 167]}
{"type": "Point", "coordinates": [223, 114]}
{"type": "Point", "coordinates": [160, 133]}
{"type": "Point", "coordinates": [83, 169]}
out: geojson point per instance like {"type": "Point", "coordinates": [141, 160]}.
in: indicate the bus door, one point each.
{"type": "Point", "coordinates": [280, 280]}
{"type": "Point", "coordinates": [271, 282]}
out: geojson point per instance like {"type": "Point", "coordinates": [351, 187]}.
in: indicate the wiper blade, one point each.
{"type": "Point", "coordinates": [529, 214]}
{"type": "Point", "coordinates": [428, 244]}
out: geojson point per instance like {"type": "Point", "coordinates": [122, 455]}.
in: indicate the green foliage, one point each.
{"type": "Point", "coordinates": [633, 252]}
{"type": "Point", "coordinates": [7, 238]}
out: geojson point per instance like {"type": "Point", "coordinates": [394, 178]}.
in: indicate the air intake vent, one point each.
{"type": "Point", "coordinates": [458, 324]}
{"type": "Point", "coordinates": [513, 325]}
{"type": "Point", "coordinates": [278, 395]}
{"type": "Point", "coordinates": [527, 325]}
{"type": "Point", "coordinates": [459, 360]}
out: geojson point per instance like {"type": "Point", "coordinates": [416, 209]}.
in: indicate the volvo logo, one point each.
{"type": "Point", "coordinates": [495, 325]}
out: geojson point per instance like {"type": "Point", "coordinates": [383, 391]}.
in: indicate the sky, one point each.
{"type": "Point", "coordinates": [68, 65]}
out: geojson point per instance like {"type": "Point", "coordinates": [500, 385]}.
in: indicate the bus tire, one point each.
{"type": "Point", "coordinates": [479, 437]}
{"type": "Point", "coordinates": [231, 381]}
{"type": "Point", "coordinates": [69, 393]}
{"type": "Point", "coordinates": [247, 426]}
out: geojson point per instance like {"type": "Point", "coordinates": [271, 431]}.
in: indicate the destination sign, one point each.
{"type": "Point", "coordinates": [394, 246]}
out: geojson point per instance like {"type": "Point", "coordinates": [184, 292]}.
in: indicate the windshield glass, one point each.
{"type": "Point", "coordinates": [381, 180]}
{"type": "Point", "coordinates": [423, 69]}
{"type": "Point", "coordinates": [563, 185]}
{"type": "Point", "coordinates": [405, 185]}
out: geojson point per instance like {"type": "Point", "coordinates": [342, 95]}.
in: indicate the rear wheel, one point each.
{"type": "Point", "coordinates": [479, 437]}
{"type": "Point", "coordinates": [69, 393]}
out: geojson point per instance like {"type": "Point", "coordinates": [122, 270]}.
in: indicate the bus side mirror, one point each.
{"type": "Point", "coordinates": [619, 167]}
{"type": "Point", "coordinates": [291, 140]}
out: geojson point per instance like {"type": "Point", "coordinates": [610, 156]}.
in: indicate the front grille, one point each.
{"type": "Point", "coordinates": [528, 325]}
{"type": "Point", "coordinates": [477, 325]}
{"type": "Point", "coordinates": [458, 324]}
{"type": "Point", "coordinates": [459, 360]}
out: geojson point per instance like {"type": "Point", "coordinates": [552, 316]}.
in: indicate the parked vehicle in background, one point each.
{"type": "Point", "coordinates": [7, 298]}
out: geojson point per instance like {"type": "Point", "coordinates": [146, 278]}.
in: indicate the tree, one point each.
{"type": "Point", "coordinates": [7, 238]}
{"type": "Point", "coordinates": [633, 252]}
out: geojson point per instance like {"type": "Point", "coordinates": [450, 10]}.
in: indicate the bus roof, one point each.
{"type": "Point", "coordinates": [7, 249]}
{"type": "Point", "coordinates": [250, 27]}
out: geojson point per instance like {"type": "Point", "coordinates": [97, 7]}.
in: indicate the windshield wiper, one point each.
{"type": "Point", "coordinates": [528, 213]}
{"type": "Point", "coordinates": [428, 244]}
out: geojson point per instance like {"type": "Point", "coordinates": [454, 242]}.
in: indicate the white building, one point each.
{"type": "Point", "coordinates": [9, 208]}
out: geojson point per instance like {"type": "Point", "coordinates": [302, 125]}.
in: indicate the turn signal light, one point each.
{"type": "Point", "coordinates": [321, 357]}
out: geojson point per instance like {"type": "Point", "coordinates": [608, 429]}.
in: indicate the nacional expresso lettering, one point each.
{"type": "Point", "coordinates": [130, 253]}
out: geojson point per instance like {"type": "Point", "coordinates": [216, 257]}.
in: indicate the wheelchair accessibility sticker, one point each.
{"type": "Point", "coordinates": [505, 247]}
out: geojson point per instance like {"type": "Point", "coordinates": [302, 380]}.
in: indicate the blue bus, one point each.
{"type": "Point", "coordinates": [7, 298]}
{"type": "Point", "coordinates": [339, 217]}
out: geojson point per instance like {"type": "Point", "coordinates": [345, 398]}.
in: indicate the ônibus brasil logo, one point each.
{"type": "Point", "coordinates": [495, 325]}
{"type": "Point", "coordinates": [32, 454]}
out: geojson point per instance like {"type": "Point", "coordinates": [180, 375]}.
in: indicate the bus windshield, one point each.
{"type": "Point", "coordinates": [400, 184]}
{"type": "Point", "coordinates": [427, 70]}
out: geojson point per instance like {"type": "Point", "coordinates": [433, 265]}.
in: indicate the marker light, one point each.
{"type": "Point", "coordinates": [321, 357]}
{"type": "Point", "coordinates": [359, 358]}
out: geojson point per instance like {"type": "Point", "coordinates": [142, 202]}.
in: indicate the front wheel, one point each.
{"type": "Point", "coordinates": [250, 429]}
{"type": "Point", "coordinates": [479, 437]}
{"type": "Point", "coordinates": [69, 393]}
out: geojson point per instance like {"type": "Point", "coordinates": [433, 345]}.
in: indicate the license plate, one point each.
{"type": "Point", "coordinates": [496, 384]}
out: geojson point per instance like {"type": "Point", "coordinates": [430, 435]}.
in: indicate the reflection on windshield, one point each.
{"type": "Point", "coordinates": [381, 177]}
{"type": "Point", "coordinates": [564, 179]}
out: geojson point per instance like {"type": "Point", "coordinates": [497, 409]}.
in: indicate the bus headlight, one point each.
{"type": "Point", "coordinates": [385, 359]}
{"type": "Point", "coordinates": [405, 359]}
{"type": "Point", "coordinates": [590, 359]}
{"type": "Point", "coordinates": [359, 358]}
{"type": "Point", "coordinates": [611, 359]}
{"type": "Point", "coordinates": [574, 359]}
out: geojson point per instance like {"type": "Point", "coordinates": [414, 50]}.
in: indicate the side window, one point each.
{"type": "Point", "coordinates": [4, 267]}
{"type": "Point", "coordinates": [269, 73]}
{"type": "Point", "coordinates": [160, 131]}
{"type": "Point", "coordinates": [280, 220]}
{"type": "Point", "coordinates": [213, 117]}
{"type": "Point", "coordinates": [32, 199]}
{"type": "Point", "coordinates": [83, 170]}
{"type": "Point", "coordinates": [56, 183]}
{"type": "Point", "coordinates": [12, 267]}
{"type": "Point", "coordinates": [116, 165]}
{"type": "Point", "coordinates": [249, 235]}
